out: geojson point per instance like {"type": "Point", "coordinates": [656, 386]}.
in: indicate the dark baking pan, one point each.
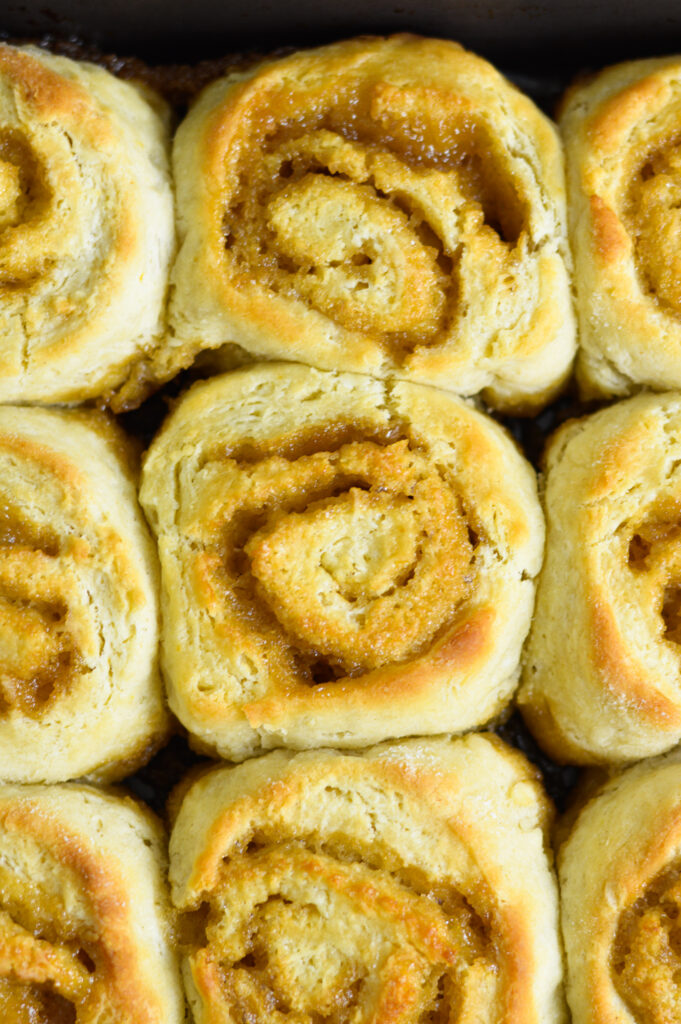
{"type": "Point", "coordinates": [541, 35]}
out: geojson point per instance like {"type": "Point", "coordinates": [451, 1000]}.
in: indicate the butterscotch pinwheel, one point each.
{"type": "Point", "coordinates": [342, 561]}
{"type": "Point", "coordinates": [86, 228]}
{"type": "Point", "coordinates": [387, 206]}
{"type": "Point", "coordinates": [602, 677]}
{"type": "Point", "coordinates": [407, 884]}
{"type": "Point", "coordinates": [622, 131]}
{"type": "Point", "coordinates": [80, 691]}
{"type": "Point", "coordinates": [86, 927]}
{"type": "Point", "coordinates": [620, 874]}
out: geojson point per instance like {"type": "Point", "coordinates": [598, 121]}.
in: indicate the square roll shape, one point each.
{"type": "Point", "coordinates": [602, 673]}
{"type": "Point", "coordinates": [80, 689]}
{"type": "Point", "coordinates": [86, 228]}
{"type": "Point", "coordinates": [621, 131]}
{"type": "Point", "coordinates": [343, 560]}
{"type": "Point", "coordinates": [86, 925]}
{"type": "Point", "coordinates": [406, 884]}
{"type": "Point", "coordinates": [384, 206]}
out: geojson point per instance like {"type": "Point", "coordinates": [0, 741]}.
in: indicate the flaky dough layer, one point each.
{"type": "Point", "coordinates": [86, 228]}
{"type": "Point", "coordinates": [343, 560]}
{"type": "Point", "coordinates": [384, 887]}
{"type": "Point", "coordinates": [86, 926]}
{"type": "Point", "coordinates": [602, 677]}
{"type": "Point", "coordinates": [80, 691]}
{"type": "Point", "coordinates": [621, 132]}
{"type": "Point", "coordinates": [386, 206]}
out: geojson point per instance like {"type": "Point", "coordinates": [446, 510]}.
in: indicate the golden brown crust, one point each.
{"type": "Point", "coordinates": [85, 923]}
{"type": "Point", "coordinates": [386, 206]}
{"type": "Point", "coordinates": [387, 886]}
{"type": "Point", "coordinates": [602, 665]}
{"type": "Point", "coordinates": [342, 560]}
{"type": "Point", "coordinates": [78, 602]}
{"type": "Point", "coordinates": [621, 131]}
{"type": "Point", "coordinates": [86, 227]}
{"type": "Point", "coordinates": [623, 966]}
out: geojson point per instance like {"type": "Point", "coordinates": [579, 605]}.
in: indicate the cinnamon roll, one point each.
{"type": "Point", "coordinates": [86, 228]}
{"type": "Point", "coordinates": [602, 677]}
{"type": "Point", "coordinates": [80, 691]}
{"type": "Point", "coordinates": [622, 133]}
{"type": "Point", "coordinates": [620, 874]}
{"type": "Point", "coordinates": [86, 926]}
{"type": "Point", "coordinates": [342, 560]}
{"type": "Point", "coordinates": [408, 883]}
{"type": "Point", "coordinates": [386, 206]}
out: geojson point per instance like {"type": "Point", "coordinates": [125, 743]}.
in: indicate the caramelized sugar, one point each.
{"type": "Point", "coordinates": [302, 137]}
{"type": "Point", "coordinates": [259, 972]}
{"type": "Point", "coordinates": [16, 531]}
{"type": "Point", "coordinates": [335, 476]}
{"type": "Point", "coordinates": [653, 218]}
{"type": "Point", "coordinates": [39, 658]}
{"type": "Point", "coordinates": [33, 1004]}
{"type": "Point", "coordinates": [646, 957]}
{"type": "Point", "coordinates": [24, 197]}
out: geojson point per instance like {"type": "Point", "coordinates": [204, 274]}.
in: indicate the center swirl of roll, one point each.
{"type": "Point", "coordinates": [356, 198]}
{"type": "Point", "coordinates": [655, 558]}
{"type": "Point", "coordinates": [320, 936]}
{"type": "Point", "coordinates": [345, 560]}
{"type": "Point", "coordinates": [654, 214]}
{"type": "Point", "coordinates": [38, 653]}
{"type": "Point", "coordinates": [646, 959]}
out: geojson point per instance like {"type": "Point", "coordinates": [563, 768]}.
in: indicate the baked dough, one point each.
{"type": "Point", "coordinates": [343, 560]}
{"type": "Point", "coordinates": [80, 691]}
{"type": "Point", "coordinates": [86, 926]}
{"type": "Point", "coordinates": [86, 228]}
{"type": "Point", "coordinates": [620, 875]}
{"type": "Point", "coordinates": [386, 206]}
{"type": "Point", "coordinates": [408, 883]}
{"type": "Point", "coordinates": [621, 132]}
{"type": "Point", "coordinates": [602, 678]}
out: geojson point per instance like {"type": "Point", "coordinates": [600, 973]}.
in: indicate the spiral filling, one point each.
{"type": "Point", "coordinates": [350, 203]}
{"type": "Point", "coordinates": [335, 562]}
{"type": "Point", "coordinates": [25, 198]}
{"type": "Point", "coordinates": [316, 933]}
{"type": "Point", "coordinates": [646, 959]}
{"type": "Point", "coordinates": [38, 656]}
{"type": "Point", "coordinates": [654, 223]}
{"type": "Point", "coordinates": [47, 970]}
{"type": "Point", "coordinates": [654, 555]}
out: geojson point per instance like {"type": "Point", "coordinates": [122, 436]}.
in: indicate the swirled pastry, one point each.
{"type": "Point", "coordinates": [406, 884]}
{"type": "Point", "coordinates": [86, 228]}
{"type": "Point", "coordinates": [342, 560]}
{"type": "Point", "coordinates": [602, 679]}
{"type": "Point", "coordinates": [387, 206]}
{"type": "Point", "coordinates": [85, 921]}
{"type": "Point", "coordinates": [80, 691]}
{"type": "Point", "coordinates": [620, 874]}
{"type": "Point", "coordinates": [622, 132]}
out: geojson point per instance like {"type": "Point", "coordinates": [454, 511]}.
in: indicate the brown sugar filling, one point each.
{"type": "Point", "coordinates": [38, 657]}
{"type": "Point", "coordinates": [646, 957]}
{"type": "Point", "coordinates": [262, 972]}
{"type": "Point", "coordinates": [653, 219]}
{"type": "Point", "coordinates": [47, 968]}
{"type": "Point", "coordinates": [322, 161]}
{"type": "Point", "coordinates": [331, 563]}
{"type": "Point", "coordinates": [655, 549]}
{"type": "Point", "coordinates": [24, 197]}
